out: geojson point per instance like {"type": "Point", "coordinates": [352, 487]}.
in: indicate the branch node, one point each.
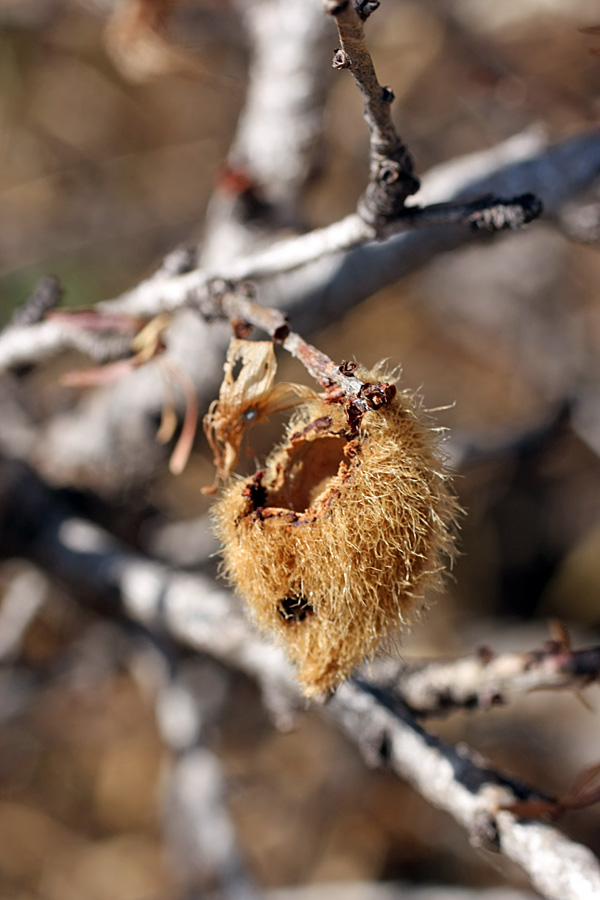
{"type": "Point", "coordinates": [340, 60]}
{"type": "Point", "coordinates": [364, 8]}
{"type": "Point", "coordinates": [281, 332]}
{"type": "Point", "coordinates": [484, 833]}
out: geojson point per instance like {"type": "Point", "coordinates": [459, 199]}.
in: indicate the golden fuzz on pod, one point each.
{"type": "Point", "coordinates": [333, 544]}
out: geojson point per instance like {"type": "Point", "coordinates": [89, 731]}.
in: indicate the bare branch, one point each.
{"type": "Point", "coordinates": [462, 783]}
{"type": "Point", "coordinates": [280, 129]}
{"type": "Point", "coordinates": [339, 381]}
{"type": "Point", "coordinates": [196, 612]}
{"type": "Point", "coordinates": [279, 133]}
{"type": "Point", "coordinates": [483, 680]}
{"type": "Point", "coordinates": [346, 275]}
{"type": "Point", "coordinates": [392, 177]}
{"type": "Point", "coordinates": [189, 696]}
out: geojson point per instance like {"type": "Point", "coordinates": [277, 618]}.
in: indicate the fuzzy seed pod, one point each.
{"type": "Point", "coordinates": [333, 544]}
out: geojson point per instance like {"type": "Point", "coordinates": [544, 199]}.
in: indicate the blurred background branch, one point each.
{"type": "Point", "coordinates": [121, 751]}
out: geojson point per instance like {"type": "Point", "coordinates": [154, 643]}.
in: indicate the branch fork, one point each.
{"type": "Point", "coordinates": [392, 178]}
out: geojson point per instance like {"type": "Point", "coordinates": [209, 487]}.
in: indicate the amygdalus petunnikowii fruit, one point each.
{"type": "Point", "coordinates": [334, 543]}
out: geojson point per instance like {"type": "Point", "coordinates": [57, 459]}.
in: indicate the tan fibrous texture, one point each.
{"type": "Point", "coordinates": [333, 545]}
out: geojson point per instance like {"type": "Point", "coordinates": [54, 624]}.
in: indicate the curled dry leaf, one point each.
{"type": "Point", "coordinates": [247, 397]}
{"type": "Point", "coordinates": [333, 544]}
{"type": "Point", "coordinates": [146, 344]}
{"type": "Point", "coordinates": [185, 442]}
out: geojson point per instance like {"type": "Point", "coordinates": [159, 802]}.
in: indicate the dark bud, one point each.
{"type": "Point", "coordinates": [485, 655]}
{"type": "Point", "coordinates": [364, 8]}
{"type": "Point", "coordinates": [334, 9]}
{"type": "Point", "coordinates": [387, 95]}
{"type": "Point", "coordinates": [281, 333]}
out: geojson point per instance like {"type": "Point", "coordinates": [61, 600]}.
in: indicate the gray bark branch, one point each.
{"type": "Point", "coordinates": [198, 613]}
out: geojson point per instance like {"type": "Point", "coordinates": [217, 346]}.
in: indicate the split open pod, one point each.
{"type": "Point", "coordinates": [334, 543]}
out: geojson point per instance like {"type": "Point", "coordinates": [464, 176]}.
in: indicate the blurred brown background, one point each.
{"type": "Point", "coordinates": [99, 178]}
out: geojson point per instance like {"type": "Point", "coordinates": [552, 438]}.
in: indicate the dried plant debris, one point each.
{"type": "Point", "coordinates": [247, 397]}
{"type": "Point", "coordinates": [333, 544]}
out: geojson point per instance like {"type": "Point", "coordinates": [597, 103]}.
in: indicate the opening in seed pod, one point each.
{"type": "Point", "coordinates": [333, 543]}
{"type": "Point", "coordinates": [305, 470]}
{"type": "Point", "coordinates": [294, 608]}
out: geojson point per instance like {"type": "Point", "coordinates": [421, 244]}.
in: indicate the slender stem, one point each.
{"type": "Point", "coordinates": [484, 679]}
{"type": "Point", "coordinates": [392, 177]}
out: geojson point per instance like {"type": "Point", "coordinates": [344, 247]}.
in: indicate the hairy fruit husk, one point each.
{"type": "Point", "coordinates": [334, 543]}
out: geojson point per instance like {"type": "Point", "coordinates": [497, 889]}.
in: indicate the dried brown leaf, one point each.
{"type": "Point", "coordinates": [247, 397]}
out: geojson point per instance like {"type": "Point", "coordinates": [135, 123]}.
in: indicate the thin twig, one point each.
{"type": "Point", "coordinates": [341, 384]}
{"type": "Point", "coordinates": [484, 680]}
{"type": "Point", "coordinates": [351, 266]}
{"type": "Point", "coordinates": [392, 177]}
{"type": "Point", "coordinates": [465, 785]}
